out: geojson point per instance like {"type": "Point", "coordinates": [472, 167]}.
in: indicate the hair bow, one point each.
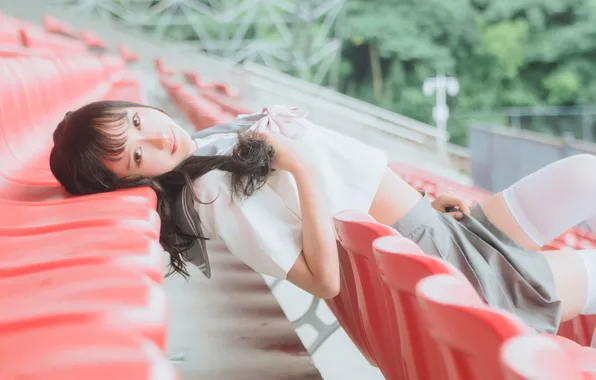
{"type": "Point", "coordinates": [281, 119]}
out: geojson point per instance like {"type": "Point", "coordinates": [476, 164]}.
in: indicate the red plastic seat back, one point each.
{"type": "Point", "coordinates": [402, 264]}
{"type": "Point", "coordinates": [92, 40]}
{"type": "Point", "coordinates": [9, 31]}
{"type": "Point", "coordinates": [127, 55]}
{"type": "Point", "coordinates": [79, 350]}
{"type": "Point", "coordinates": [345, 306]}
{"type": "Point", "coordinates": [356, 232]}
{"type": "Point", "coordinates": [54, 25]}
{"type": "Point", "coordinates": [469, 333]}
{"type": "Point", "coordinates": [579, 329]}
{"type": "Point", "coordinates": [537, 357]}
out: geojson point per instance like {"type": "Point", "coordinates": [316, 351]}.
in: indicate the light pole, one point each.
{"type": "Point", "coordinates": [441, 86]}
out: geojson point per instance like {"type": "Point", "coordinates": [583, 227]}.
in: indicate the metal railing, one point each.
{"type": "Point", "coordinates": [311, 318]}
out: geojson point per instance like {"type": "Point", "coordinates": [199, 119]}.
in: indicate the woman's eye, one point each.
{"type": "Point", "coordinates": [136, 121]}
{"type": "Point", "coordinates": [137, 155]}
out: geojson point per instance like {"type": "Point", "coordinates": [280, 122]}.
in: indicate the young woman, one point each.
{"type": "Point", "coordinates": [266, 187]}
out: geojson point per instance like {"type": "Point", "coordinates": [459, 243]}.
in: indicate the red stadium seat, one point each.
{"type": "Point", "coordinates": [34, 36]}
{"type": "Point", "coordinates": [227, 90]}
{"type": "Point", "coordinates": [80, 277]}
{"type": "Point", "coordinates": [468, 333]}
{"type": "Point", "coordinates": [162, 68]}
{"type": "Point", "coordinates": [345, 307]}
{"type": "Point", "coordinates": [231, 106]}
{"type": "Point", "coordinates": [92, 40]}
{"type": "Point", "coordinates": [127, 55]}
{"type": "Point", "coordinates": [83, 246]}
{"type": "Point", "coordinates": [356, 232]}
{"type": "Point", "coordinates": [194, 79]}
{"type": "Point", "coordinates": [402, 264]}
{"type": "Point", "coordinates": [35, 95]}
{"type": "Point", "coordinates": [54, 25]}
{"type": "Point", "coordinates": [115, 294]}
{"type": "Point", "coordinates": [25, 219]}
{"type": "Point", "coordinates": [536, 357]}
{"type": "Point", "coordinates": [81, 350]}
{"type": "Point", "coordinates": [9, 31]}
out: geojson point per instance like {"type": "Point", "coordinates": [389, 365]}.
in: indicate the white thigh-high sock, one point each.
{"type": "Point", "coordinates": [555, 198]}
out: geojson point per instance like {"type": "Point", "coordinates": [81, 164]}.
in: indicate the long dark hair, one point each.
{"type": "Point", "coordinates": [83, 139]}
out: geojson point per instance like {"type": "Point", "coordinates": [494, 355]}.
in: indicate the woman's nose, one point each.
{"type": "Point", "coordinates": [159, 139]}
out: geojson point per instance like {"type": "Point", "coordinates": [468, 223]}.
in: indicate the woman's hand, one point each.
{"type": "Point", "coordinates": [455, 207]}
{"type": "Point", "coordinates": [284, 153]}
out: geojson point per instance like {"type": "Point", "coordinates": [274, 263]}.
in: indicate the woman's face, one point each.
{"type": "Point", "coordinates": [155, 144]}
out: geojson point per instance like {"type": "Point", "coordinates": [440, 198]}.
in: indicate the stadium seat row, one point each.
{"type": "Point", "coordinates": [201, 112]}
{"type": "Point", "coordinates": [416, 317]}
{"type": "Point", "coordinates": [36, 93]}
{"type": "Point", "coordinates": [80, 277]}
{"type": "Point", "coordinates": [59, 38]}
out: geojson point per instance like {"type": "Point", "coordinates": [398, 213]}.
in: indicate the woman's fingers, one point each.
{"type": "Point", "coordinates": [456, 214]}
{"type": "Point", "coordinates": [451, 201]}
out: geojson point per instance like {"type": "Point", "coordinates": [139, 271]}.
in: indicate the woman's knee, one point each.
{"type": "Point", "coordinates": [571, 282]}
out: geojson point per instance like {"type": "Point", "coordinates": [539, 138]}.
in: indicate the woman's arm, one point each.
{"type": "Point", "coordinates": [317, 270]}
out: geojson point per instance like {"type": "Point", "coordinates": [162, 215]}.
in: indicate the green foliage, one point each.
{"type": "Point", "coordinates": [504, 43]}
{"type": "Point", "coordinates": [562, 86]}
{"type": "Point", "coordinates": [505, 53]}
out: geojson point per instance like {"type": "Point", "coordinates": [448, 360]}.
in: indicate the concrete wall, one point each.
{"type": "Point", "coordinates": [501, 156]}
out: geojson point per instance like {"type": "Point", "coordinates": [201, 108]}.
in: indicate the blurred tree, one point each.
{"type": "Point", "coordinates": [505, 53]}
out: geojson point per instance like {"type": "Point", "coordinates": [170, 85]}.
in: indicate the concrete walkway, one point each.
{"type": "Point", "coordinates": [231, 327]}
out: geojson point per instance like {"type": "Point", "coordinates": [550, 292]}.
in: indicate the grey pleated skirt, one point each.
{"type": "Point", "coordinates": [505, 274]}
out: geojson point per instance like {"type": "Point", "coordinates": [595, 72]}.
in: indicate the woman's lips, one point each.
{"type": "Point", "coordinates": [174, 143]}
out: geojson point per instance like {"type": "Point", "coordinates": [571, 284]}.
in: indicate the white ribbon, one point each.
{"type": "Point", "coordinates": [281, 119]}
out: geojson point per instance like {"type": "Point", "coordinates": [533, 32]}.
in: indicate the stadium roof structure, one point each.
{"type": "Point", "coordinates": [293, 36]}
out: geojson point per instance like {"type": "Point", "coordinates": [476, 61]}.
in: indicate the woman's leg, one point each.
{"type": "Point", "coordinates": [543, 205]}
{"type": "Point", "coordinates": [571, 282]}
{"type": "Point", "coordinates": [548, 202]}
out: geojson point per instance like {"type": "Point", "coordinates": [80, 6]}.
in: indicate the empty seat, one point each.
{"type": "Point", "coordinates": [29, 109]}
{"type": "Point", "coordinates": [356, 232]}
{"type": "Point", "coordinates": [402, 264]}
{"type": "Point", "coordinates": [81, 350]}
{"type": "Point", "coordinates": [345, 307]}
{"type": "Point", "coordinates": [126, 54]}
{"type": "Point", "coordinates": [468, 333]}
{"type": "Point", "coordinates": [116, 295]}
{"type": "Point", "coordinates": [227, 90]}
{"type": "Point", "coordinates": [96, 245]}
{"type": "Point", "coordinates": [54, 25]}
{"type": "Point", "coordinates": [536, 357]}
{"type": "Point", "coordinates": [92, 40]}
{"type": "Point", "coordinates": [9, 31]}
{"type": "Point", "coordinates": [162, 68]}
{"type": "Point", "coordinates": [34, 36]}
{"type": "Point", "coordinates": [25, 219]}
{"type": "Point", "coordinates": [232, 106]}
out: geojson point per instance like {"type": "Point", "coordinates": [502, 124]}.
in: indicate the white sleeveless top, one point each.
{"type": "Point", "coordinates": [265, 229]}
